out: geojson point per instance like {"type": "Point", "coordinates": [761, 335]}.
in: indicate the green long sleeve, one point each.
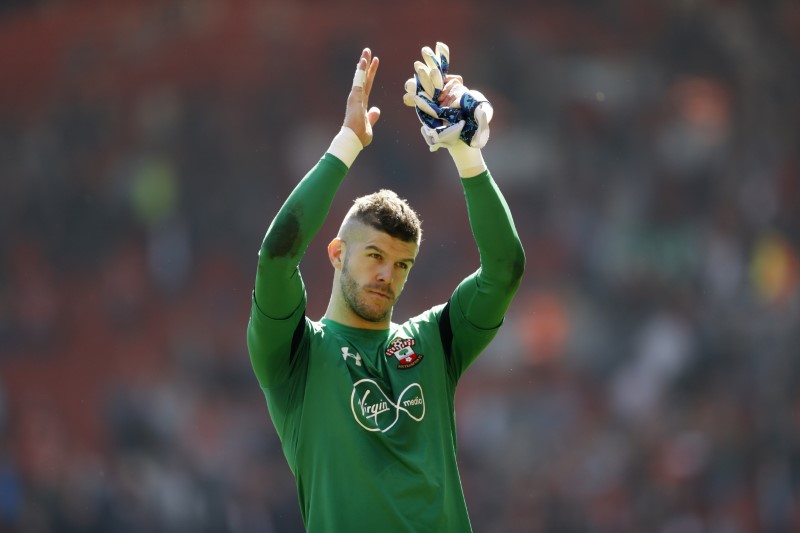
{"type": "Point", "coordinates": [279, 288]}
{"type": "Point", "coordinates": [279, 296]}
{"type": "Point", "coordinates": [484, 297]}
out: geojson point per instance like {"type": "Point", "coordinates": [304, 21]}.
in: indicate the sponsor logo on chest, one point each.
{"type": "Point", "coordinates": [403, 350]}
{"type": "Point", "coordinates": [374, 410]}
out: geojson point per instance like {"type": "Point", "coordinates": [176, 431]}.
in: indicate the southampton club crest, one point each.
{"type": "Point", "coordinates": [403, 350]}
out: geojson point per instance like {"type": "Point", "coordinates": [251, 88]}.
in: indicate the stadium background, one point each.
{"type": "Point", "coordinates": [647, 375]}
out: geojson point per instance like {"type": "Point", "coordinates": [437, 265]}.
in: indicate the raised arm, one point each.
{"type": "Point", "coordinates": [480, 302]}
{"type": "Point", "coordinates": [456, 118]}
{"type": "Point", "coordinates": [485, 296]}
{"type": "Point", "coordinates": [279, 295]}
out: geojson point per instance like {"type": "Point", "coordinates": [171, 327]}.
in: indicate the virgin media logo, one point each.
{"type": "Point", "coordinates": [374, 410]}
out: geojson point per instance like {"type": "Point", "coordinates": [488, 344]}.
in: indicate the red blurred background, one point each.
{"type": "Point", "coordinates": [646, 376]}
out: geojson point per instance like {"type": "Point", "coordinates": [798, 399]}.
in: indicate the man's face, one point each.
{"type": "Point", "coordinates": [374, 271]}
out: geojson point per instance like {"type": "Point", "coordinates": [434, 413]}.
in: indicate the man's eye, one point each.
{"type": "Point", "coordinates": [404, 266]}
{"type": "Point", "coordinates": [375, 256]}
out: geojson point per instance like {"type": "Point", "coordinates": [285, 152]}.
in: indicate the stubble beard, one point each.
{"type": "Point", "coordinates": [350, 292]}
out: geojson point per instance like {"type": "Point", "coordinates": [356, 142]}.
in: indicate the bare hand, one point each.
{"type": "Point", "coordinates": [356, 116]}
{"type": "Point", "coordinates": [452, 90]}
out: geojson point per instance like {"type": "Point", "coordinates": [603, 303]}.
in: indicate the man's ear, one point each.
{"type": "Point", "coordinates": [336, 250]}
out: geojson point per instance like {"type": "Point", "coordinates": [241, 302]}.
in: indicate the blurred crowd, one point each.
{"type": "Point", "coordinates": [647, 377]}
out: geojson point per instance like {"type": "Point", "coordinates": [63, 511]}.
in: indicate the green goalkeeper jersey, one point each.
{"type": "Point", "coordinates": [366, 417]}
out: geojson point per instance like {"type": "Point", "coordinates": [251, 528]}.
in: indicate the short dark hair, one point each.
{"type": "Point", "coordinates": [387, 212]}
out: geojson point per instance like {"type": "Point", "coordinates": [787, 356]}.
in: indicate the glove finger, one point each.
{"type": "Point", "coordinates": [427, 106]}
{"type": "Point", "coordinates": [411, 89]}
{"type": "Point", "coordinates": [486, 110]}
{"type": "Point", "coordinates": [437, 81]}
{"type": "Point", "coordinates": [429, 135]}
{"type": "Point", "coordinates": [443, 53]}
{"type": "Point", "coordinates": [430, 58]}
{"type": "Point", "coordinates": [424, 77]}
{"type": "Point", "coordinates": [482, 118]}
{"type": "Point", "coordinates": [434, 68]}
{"type": "Point", "coordinates": [428, 120]}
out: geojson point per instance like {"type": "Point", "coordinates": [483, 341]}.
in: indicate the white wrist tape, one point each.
{"type": "Point", "coordinates": [359, 78]}
{"type": "Point", "coordinates": [345, 146]}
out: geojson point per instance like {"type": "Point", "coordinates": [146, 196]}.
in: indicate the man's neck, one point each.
{"type": "Point", "coordinates": [341, 313]}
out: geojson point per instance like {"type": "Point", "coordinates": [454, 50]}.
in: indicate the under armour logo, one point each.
{"type": "Point", "coordinates": [346, 353]}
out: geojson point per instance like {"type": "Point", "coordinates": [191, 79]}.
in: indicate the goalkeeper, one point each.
{"type": "Point", "coordinates": [364, 406]}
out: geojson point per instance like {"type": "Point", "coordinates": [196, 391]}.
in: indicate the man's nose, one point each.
{"type": "Point", "coordinates": [384, 273]}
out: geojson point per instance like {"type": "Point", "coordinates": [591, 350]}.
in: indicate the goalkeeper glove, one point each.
{"type": "Point", "coordinates": [466, 120]}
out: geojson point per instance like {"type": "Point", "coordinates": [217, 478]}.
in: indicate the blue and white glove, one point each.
{"type": "Point", "coordinates": [467, 119]}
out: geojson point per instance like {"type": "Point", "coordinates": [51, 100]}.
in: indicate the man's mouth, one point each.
{"type": "Point", "coordinates": [380, 293]}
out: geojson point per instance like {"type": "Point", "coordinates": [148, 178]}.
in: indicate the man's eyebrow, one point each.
{"type": "Point", "coordinates": [375, 248]}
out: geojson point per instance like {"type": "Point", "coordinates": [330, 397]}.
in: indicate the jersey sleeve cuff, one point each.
{"type": "Point", "coordinates": [345, 146]}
